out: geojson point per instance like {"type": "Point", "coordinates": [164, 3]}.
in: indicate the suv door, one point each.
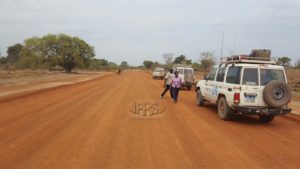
{"type": "Point", "coordinates": [189, 75]}
{"type": "Point", "coordinates": [250, 87]}
{"type": "Point", "coordinates": [218, 86]}
{"type": "Point", "coordinates": [209, 82]}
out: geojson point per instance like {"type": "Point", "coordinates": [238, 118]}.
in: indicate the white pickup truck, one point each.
{"type": "Point", "coordinates": [246, 84]}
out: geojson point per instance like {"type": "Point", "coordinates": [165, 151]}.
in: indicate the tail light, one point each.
{"type": "Point", "coordinates": [236, 98]}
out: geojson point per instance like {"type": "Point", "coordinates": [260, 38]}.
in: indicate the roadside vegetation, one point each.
{"type": "Point", "coordinates": [54, 52]}
{"type": "Point", "coordinates": [204, 63]}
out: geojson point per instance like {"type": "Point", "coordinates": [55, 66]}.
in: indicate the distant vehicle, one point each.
{"type": "Point", "coordinates": [248, 84]}
{"type": "Point", "coordinates": [187, 75]}
{"type": "Point", "coordinates": [158, 73]}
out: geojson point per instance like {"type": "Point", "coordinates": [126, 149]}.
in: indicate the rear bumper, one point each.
{"type": "Point", "coordinates": [262, 110]}
{"type": "Point", "coordinates": [158, 76]}
{"type": "Point", "coordinates": [187, 84]}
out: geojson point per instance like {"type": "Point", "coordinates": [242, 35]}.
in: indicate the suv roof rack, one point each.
{"type": "Point", "coordinates": [247, 59]}
{"type": "Point", "coordinates": [182, 65]}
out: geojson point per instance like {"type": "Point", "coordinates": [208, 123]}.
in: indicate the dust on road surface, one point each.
{"type": "Point", "coordinates": [91, 126]}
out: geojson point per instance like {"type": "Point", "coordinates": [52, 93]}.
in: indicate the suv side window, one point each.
{"type": "Point", "coordinates": [250, 76]}
{"type": "Point", "coordinates": [221, 74]}
{"type": "Point", "coordinates": [233, 75]}
{"type": "Point", "coordinates": [180, 71]}
{"type": "Point", "coordinates": [212, 74]}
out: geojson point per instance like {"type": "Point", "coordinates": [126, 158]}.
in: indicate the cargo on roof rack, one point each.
{"type": "Point", "coordinates": [257, 56]}
{"type": "Point", "coordinates": [247, 59]}
{"type": "Point", "coordinates": [261, 53]}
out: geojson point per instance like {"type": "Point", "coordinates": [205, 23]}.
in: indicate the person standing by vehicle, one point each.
{"type": "Point", "coordinates": [176, 85]}
{"type": "Point", "coordinates": [167, 83]}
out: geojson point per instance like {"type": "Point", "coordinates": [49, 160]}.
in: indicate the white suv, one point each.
{"type": "Point", "coordinates": [187, 75]}
{"type": "Point", "coordinates": [246, 84]}
{"type": "Point", "coordinates": [158, 73]}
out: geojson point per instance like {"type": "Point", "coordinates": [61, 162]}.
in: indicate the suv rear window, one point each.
{"type": "Point", "coordinates": [188, 71]}
{"type": "Point", "coordinates": [233, 75]}
{"type": "Point", "coordinates": [267, 75]}
{"type": "Point", "coordinates": [180, 71]}
{"type": "Point", "coordinates": [250, 76]}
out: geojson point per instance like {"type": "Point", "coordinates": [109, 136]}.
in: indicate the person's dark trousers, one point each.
{"type": "Point", "coordinates": [175, 93]}
{"type": "Point", "coordinates": [166, 89]}
{"type": "Point", "coordinates": [171, 91]}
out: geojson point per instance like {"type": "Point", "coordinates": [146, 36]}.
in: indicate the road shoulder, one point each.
{"type": "Point", "coordinates": [16, 91]}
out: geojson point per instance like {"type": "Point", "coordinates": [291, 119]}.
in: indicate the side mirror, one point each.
{"type": "Point", "coordinates": [205, 77]}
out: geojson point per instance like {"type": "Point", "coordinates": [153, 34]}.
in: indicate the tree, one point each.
{"type": "Point", "coordinates": [31, 55]}
{"type": "Point", "coordinates": [284, 61]}
{"type": "Point", "coordinates": [148, 64]}
{"type": "Point", "coordinates": [124, 65]}
{"type": "Point", "coordinates": [112, 65]}
{"type": "Point", "coordinates": [180, 59]}
{"type": "Point", "coordinates": [196, 66]}
{"type": "Point", "coordinates": [206, 60]}
{"type": "Point", "coordinates": [52, 50]}
{"type": "Point", "coordinates": [98, 64]}
{"type": "Point", "coordinates": [3, 60]}
{"type": "Point", "coordinates": [188, 62]}
{"type": "Point", "coordinates": [13, 53]}
{"type": "Point", "coordinates": [168, 58]}
{"type": "Point", "coordinates": [74, 52]}
{"type": "Point", "coordinates": [156, 64]}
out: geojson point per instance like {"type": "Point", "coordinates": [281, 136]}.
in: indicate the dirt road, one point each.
{"type": "Point", "coordinates": [92, 126]}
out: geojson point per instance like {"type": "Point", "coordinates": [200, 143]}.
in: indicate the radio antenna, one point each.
{"type": "Point", "coordinates": [222, 45]}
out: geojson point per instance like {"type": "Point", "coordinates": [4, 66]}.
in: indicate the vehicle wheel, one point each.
{"type": "Point", "coordinates": [266, 119]}
{"type": "Point", "coordinates": [224, 111]}
{"type": "Point", "coordinates": [199, 99]}
{"type": "Point", "coordinates": [277, 93]}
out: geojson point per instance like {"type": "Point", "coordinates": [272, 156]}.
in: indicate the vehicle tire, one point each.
{"type": "Point", "coordinates": [224, 111]}
{"type": "Point", "coordinates": [199, 99]}
{"type": "Point", "coordinates": [277, 93]}
{"type": "Point", "coordinates": [266, 118]}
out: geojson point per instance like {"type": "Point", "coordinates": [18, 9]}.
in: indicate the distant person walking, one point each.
{"type": "Point", "coordinates": [176, 85]}
{"type": "Point", "coordinates": [118, 72]}
{"type": "Point", "coordinates": [167, 83]}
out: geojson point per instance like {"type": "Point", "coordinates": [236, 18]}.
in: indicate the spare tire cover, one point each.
{"type": "Point", "coordinates": [277, 93]}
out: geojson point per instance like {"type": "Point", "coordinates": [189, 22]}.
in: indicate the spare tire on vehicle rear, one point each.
{"type": "Point", "coordinates": [277, 93]}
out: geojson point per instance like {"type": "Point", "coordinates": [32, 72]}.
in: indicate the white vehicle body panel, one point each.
{"type": "Point", "coordinates": [250, 94]}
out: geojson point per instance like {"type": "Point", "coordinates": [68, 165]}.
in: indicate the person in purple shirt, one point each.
{"type": "Point", "coordinates": [176, 85]}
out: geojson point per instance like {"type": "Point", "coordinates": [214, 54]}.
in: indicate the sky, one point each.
{"type": "Point", "coordinates": [138, 30]}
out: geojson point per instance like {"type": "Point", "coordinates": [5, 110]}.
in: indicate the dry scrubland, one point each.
{"type": "Point", "coordinates": [15, 80]}
{"type": "Point", "coordinates": [294, 79]}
